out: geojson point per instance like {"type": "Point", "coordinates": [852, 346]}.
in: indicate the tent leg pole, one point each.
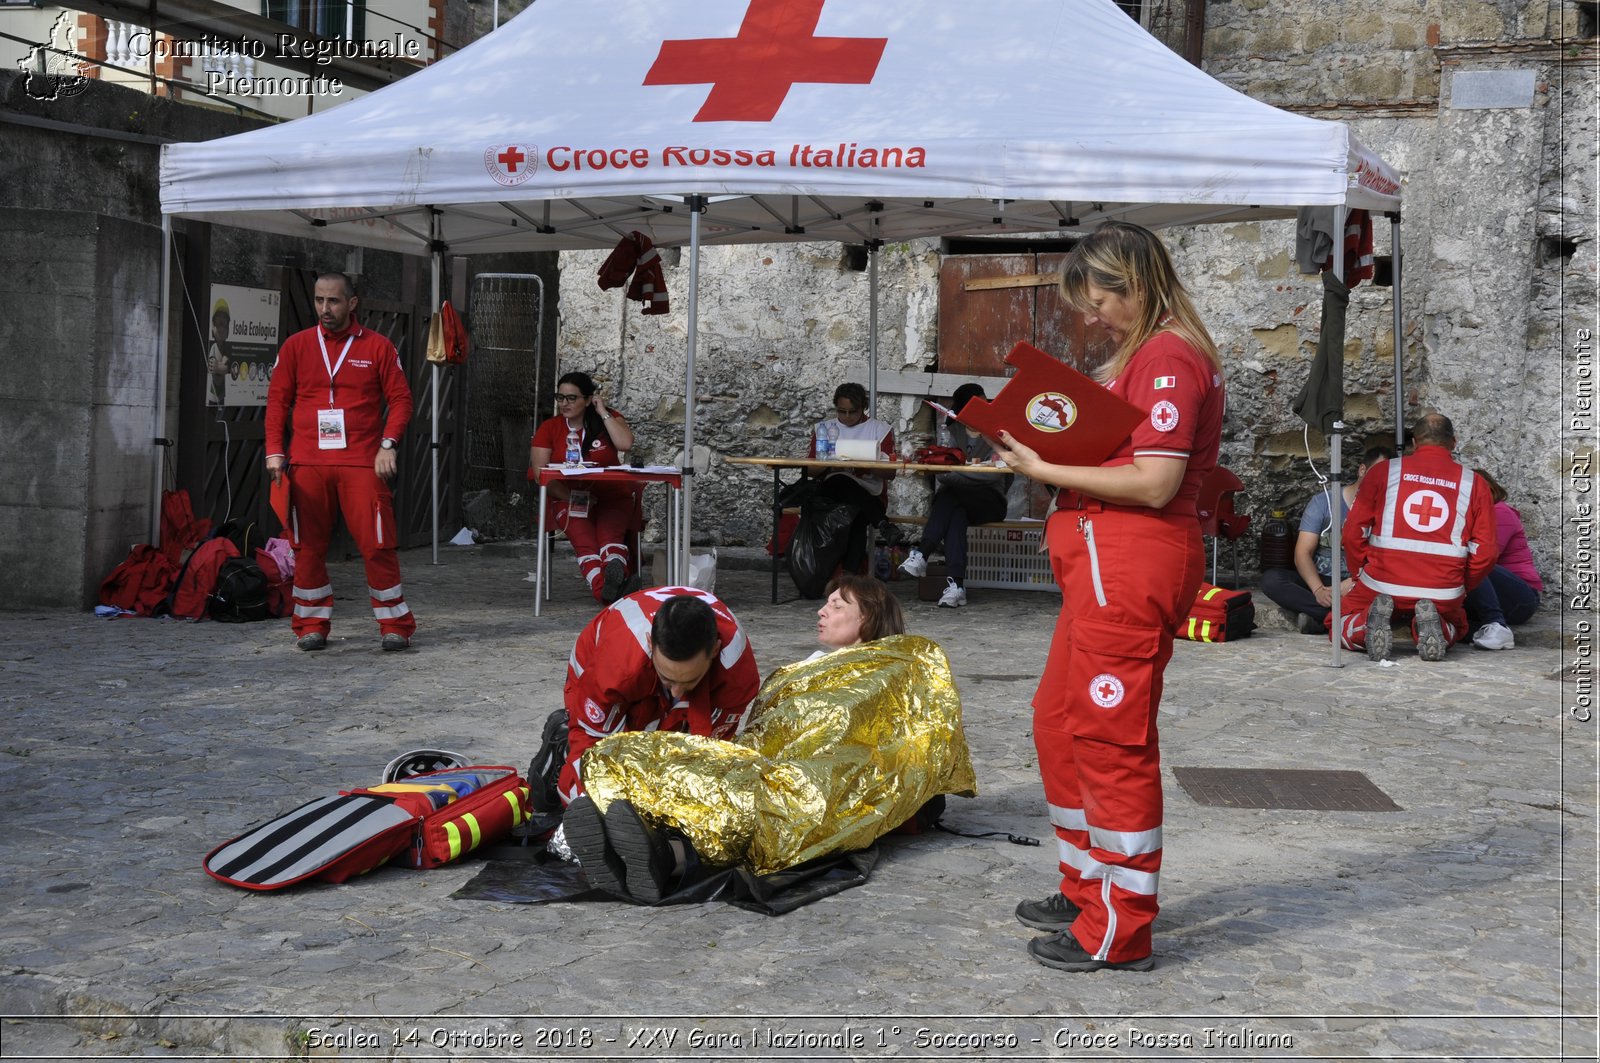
{"type": "Point", "coordinates": [1399, 360]}
{"type": "Point", "coordinates": [158, 435]}
{"type": "Point", "coordinates": [1335, 467]}
{"type": "Point", "coordinates": [433, 389]}
{"type": "Point", "coordinates": [872, 329]}
{"type": "Point", "coordinates": [685, 524]}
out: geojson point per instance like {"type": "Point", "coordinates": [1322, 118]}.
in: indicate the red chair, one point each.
{"type": "Point", "coordinates": [1218, 518]}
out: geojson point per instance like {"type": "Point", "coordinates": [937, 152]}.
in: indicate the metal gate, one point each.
{"type": "Point", "coordinates": [507, 315]}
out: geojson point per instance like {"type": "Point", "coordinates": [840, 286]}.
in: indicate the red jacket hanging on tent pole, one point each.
{"type": "Point", "coordinates": [636, 255]}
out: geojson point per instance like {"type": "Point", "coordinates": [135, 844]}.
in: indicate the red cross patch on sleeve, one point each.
{"type": "Point", "coordinates": [1164, 416]}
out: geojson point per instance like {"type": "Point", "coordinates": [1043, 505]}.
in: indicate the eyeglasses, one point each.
{"type": "Point", "coordinates": [562, 396]}
{"type": "Point", "coordinates": [845, 411]}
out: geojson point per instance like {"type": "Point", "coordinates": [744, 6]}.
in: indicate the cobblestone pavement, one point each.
{"type": "Point", "coordinates": [1461, 925]}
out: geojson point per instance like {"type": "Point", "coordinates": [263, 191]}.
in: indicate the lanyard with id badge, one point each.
{"type": "Point", "coordinates": [330, 420]}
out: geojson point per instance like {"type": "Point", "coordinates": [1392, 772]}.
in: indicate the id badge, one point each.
{"type": "Point", "coordinates": [578, 504]}
{"type": "Point", "coordinates": [330, 430]}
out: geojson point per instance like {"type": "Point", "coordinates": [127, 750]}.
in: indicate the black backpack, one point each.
{"type": "Point", "coordinates": [241, 593]}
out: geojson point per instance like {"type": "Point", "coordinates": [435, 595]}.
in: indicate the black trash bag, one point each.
{"type": "Point", "coordinates": [819, 542]}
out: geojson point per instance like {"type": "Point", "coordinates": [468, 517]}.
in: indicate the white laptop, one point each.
{"type": "Point", "coordinates": [859, 450]}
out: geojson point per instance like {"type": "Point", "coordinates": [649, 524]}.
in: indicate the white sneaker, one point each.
{"type": "Point", "coordinates": [1494, 636]}
{"type": "Point", "coordinates": [954, 596]}
{"type": "Point", "coordinates": [915, 565]}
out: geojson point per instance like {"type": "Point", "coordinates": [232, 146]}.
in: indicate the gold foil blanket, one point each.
{"type": "Point", "coordinates": [839, 751]}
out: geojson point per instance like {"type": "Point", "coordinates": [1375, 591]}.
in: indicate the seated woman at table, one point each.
{"type": "Point", "coordinates": [841, 748]}
{"type": "Point", "coordinates": [959, 499]}
{"type": "Point", "coordinates": [867, 491]}
{"type": "Point", "coordinates": [596, 517]}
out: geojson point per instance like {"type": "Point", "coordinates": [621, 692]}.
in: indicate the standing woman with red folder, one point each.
{"type": "Point", "coordinates": [1125, 547]}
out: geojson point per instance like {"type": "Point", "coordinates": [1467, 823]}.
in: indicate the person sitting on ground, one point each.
{"type": "Point", "coordinates": [1510, 594]}
{"type": "Point", "coordinates": [1421, 534]}
{"type": "Point", "coordinates": [959, 499]}
{"type": "Point", "coordinates": [841, 749]}
{"type": "Point", "coordinates": [1306, 590]}
{"type": "Point", "coordinates": [867, 491]}
{"type": "Point", "coordinates": [596, 517]}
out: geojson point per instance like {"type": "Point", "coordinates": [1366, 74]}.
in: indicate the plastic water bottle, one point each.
{"type": "Point", "coordinates": [1277, 542]}
{"type": "Point", "coordinates": [833, 439]}
{"type": "Point", "coordinates": [824, 443]}
{"type": "Point", "coordinates": [574, 449]}
{"type": "Point", "coordinates": [942, 436]}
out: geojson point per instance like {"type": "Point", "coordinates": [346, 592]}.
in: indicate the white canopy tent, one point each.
{"type": "Point", "coordinates": [760, 121]}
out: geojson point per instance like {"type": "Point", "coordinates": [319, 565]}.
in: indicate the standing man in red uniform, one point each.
{"type": "Point", "coordinates": [329, 387]}
{"type": "Point", "coordinates": [669, 659]}
{"type": "Point", "coordinates": [1420, 535]}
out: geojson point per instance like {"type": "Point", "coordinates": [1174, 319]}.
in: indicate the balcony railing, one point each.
{"type": "Point", "coordinates": [129, 45]}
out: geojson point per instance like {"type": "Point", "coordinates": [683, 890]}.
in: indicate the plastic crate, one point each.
{"type": "Point", "coordinates": [1009, 558]}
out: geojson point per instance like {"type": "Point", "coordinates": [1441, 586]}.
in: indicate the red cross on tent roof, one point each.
{"type": "Point", "coordinates": [777, 48]}
{"type": "Point", "coordinates": [512, 158]}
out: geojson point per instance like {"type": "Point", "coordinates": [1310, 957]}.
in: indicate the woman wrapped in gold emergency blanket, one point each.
{"type": "Point", "coordinates": [840, 750]}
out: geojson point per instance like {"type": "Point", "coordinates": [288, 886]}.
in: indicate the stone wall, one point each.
{"type": "Point", "coordinates": [1499, 266]}
{"type": "Point", "coordinates": [80, 350]}
{"type": "Point", "coordinates": [76, 415]}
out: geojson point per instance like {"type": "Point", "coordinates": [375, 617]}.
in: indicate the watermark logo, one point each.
{"type": "Point", "coordinates": [52, 72]}
{"type": "Point", "coordinates": [511, 164]}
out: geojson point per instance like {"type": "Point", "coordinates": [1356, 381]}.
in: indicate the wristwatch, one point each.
{"type": "Point", "coordinates": [387, 444]}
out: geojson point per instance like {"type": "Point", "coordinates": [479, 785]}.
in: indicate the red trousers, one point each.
{"type": "Point", "coordinates": [317, 493]}
{"type": "Point", "coordinates": [1126, 579]}
{"type": "Point", "coordinates": [1353, 617]}
{"type": "Point", "coordinates": [601, 536]}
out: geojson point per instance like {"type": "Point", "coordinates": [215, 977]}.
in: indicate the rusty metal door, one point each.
{"type": "Point", "coordinates": [988, 303]}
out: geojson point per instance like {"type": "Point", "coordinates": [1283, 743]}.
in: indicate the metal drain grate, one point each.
{"type": "Point", "coordinates": [1331, 791]}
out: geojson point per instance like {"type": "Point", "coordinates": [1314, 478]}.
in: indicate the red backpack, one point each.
{"type": "Point", "coordinates": [199, 577]}
{"type": "Point", "coordinates": [180, 528]}
{"type": "Point", "coordinates": [142, 583]}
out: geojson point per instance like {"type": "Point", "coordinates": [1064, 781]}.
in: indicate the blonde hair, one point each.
{"type": "Point", "coordinates": [1130, 260]}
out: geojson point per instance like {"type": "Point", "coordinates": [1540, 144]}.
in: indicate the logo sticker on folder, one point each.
{"type": "Point", "coordinates": [1059, 412]}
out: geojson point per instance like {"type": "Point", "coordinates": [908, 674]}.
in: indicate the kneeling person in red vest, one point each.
{"type": "Point", "coordinates": [1420, 535]}
{"type": "Point", "coordinates": [329, 388]}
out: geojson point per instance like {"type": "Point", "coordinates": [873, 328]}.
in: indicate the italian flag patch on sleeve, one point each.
{"type": "Point", "coordinates": [1166, 382]}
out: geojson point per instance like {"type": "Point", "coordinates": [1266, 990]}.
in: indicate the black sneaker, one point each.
{"type": "Point", "coordinates": [394, 642]}
{"type": "Point", "coordinates": [313, 640]}
{"type": "Point", "coordinates": [1307, 624]}
{"type": "Point", "coordinates": [1055, 912]}
{"type": "Point", "coordinates": [646, 854]}
{"type": "Point", "coordinates": [616, 575]}
{"type": "Point", "coordinates": [1063, 952]}
{"type": "Point", "coordinates": [1380, 640]}
{"type": "Point", "coordinates": [1431, 644]}
{"type": "Point", "coordinates": [586, 834]}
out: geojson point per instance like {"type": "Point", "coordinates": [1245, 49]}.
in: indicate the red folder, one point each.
{"type": "Point", "coordinates": [278, 494]}
{"type": "Point", "coordinates": [1054, 409]}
